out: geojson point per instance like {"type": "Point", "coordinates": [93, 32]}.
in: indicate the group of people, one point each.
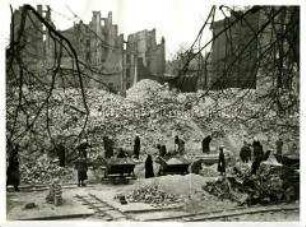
{"type": "Point", "coordinates": [258, 155]}
{"type": "Point", "coordinates": [108, 143]}
{"type": "Point", "coordinates": [82, 164]}
{"type": "Point", "coordinates": [249, 152]}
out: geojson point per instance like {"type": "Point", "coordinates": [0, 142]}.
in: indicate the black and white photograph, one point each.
{"type": "Point", "coordinates": [152, 111]}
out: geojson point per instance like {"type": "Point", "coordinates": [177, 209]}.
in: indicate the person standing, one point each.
{"type": "Point", "coordinates": [82, 148]}
{"type": "Point", "coordinates": [121, 153]}
{"type": "Point", "coordinates": [108, 147]}
{"type": "Point", "coordinates": [258, 156]}
{"type": "Point", "coordinates": [149, 171]}
{"type": "Point", "coordinates": [180, 145]}
{"type": "Point", "coordinates": [206, 144]}
{"type": "Point", "coordinates": [162, 150]}
{"type": "Point", "coordinates": [61, 154]}
{"type": "Point", "coordinates": [82, 168]}
{"type": "Point", "coordinates": [13, 174]}
{"type": "Point", "coordinates": [137, 147]}
{"type": "Point", "coordinates": [257, 149]}
{"type": "Point", "coordinates": [221, 161]}
{"type": "Point", "coordinates": [245, 153]}
{"type": "Point", "coordinates": [279, 146]}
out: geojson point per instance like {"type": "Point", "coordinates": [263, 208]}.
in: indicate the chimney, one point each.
{"type": "Point", "coordinates": [110, 18]}
{"type": "Point", "coordinates": [40, 9]}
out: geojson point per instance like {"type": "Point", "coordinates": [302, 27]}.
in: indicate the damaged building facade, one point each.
{"type": "Point", "coordinates": [99, 47]}
{"type": "Point", "coordinates": [105, 58]}
{"type": "Point", "coordinates": [145, 57]}
{"type": "Point", "coordinates": [31, 41]}
{"type": "Point", "coordinates": [230, 65]}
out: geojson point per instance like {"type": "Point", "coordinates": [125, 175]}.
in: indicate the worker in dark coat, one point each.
{"type": "Point", "coordinates": [121, 153]}
{"type": "Point", "coordinates": [196, 166]}
{"type": "Point", "coordinates": [82, 148]}
{"type": "Point", "coordinates": [82, 168]}
{"type": "Point", "coordinates": [61, 154]}
{"type": "Point", "coordinates": [245, 152]}
{"type": "Point", "coordinates": [108, 147]}
{"type": "Point", "coordinates": [258, 156]}
{"type": "Point", "coordinates": [13, 174]}
{"type": "Point", "coordinates": [279, 146]}
{"type": "Point", "coordinates": [137, 147]}
{"type": "Point", "coordinates": [105, 145]}
{"type": "Point", "coordinates": [162, 150]}
{"type": "Point", "coordinates": [205, 144]}
{"type": "Point", "coordinates": [257, 150]}
{"type": "Point", "coordinates": [255, 166]}
{"type": "Point", "coordinates": [180, 145]}
{"type": "Point", "coordinates": [221, 161]}
{"type": "Point", "coordinates": [149, 172]}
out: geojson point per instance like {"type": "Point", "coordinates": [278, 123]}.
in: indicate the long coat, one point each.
{"type": "Point", "coordinates": [258, 151]}
{"type": "Point", "coordinates": [149, 172]}
{"type": "Point", "coordinates": [82, 168]}
{"type": "Point", "coordinates": [137, 147]}
{"type": "Point", "coordinates": [245, 153]}
{"type": "Point", "coordinates": [221, 162]}
{"type": "Point", "coordinates": [205, 144]}
{"type": "Point", "coordinates": [108, 147]}
{"type": "Point", "coordinates": [13, 174]}
{"type": "Point", "coordinates": [61, 153]}
{"type": "Point", "coordinates": [181, 146]}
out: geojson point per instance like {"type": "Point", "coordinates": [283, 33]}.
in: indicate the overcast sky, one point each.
{"type": "Point", "coordinates": [177, 20]}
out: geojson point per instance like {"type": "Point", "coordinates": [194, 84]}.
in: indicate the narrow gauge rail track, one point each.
{"type": "Point", "coordinates": [106, 212]}
{"type": "Point", "coordinates": [103, 210]}
{"type": "Point", "coordinates": [228, 214]}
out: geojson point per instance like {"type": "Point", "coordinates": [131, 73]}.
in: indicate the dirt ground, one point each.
{"type": "Point", "coordinates": [196, 201]}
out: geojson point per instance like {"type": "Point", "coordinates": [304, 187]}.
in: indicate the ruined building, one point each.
{"type": "Point", "coordinates": [31, 41]}
{"type": "Point", "coordinates": [145, 58]}
{"type": "Point", "coordinates": [99, 47]}
{"type": "Point", "coordinates": [227, 67]}
{"type": "Point", "coordinates": [105, 57]}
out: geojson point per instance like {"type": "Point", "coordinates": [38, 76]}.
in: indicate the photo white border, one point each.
{"type": "Point", "coordinates": [4, 28]}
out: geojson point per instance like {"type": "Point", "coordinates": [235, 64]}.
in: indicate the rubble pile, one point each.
{"type": "Point", "coordinates": [176, 184]}
{"type": "Point", "coordinates": [153, 195]}
{"type": "Point", "coordinates": [151, 110]}
{"type": "Point", "coordinates": [222, 189]}
{"type": "Point", "coordinates": [266, 187]}
{"type": "Point", "coordinates": [143, 91]}
{"type": "Point", "coordinates": [43, 171]}
{"type": "Point", "coordinates": [209, 171]}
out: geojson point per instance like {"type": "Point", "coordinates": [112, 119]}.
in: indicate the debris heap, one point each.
{"type": "Point", "coordinates": [266, 187]}
{"type": "Point", "coordinates": [151, 110]}
{"type": "Point", "coordinates": [153, 195]}
{"type": "Point", "coordinates": [42, 171]}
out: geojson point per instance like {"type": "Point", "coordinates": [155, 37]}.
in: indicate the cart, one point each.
{"type": "Point", "coordinates": [118, 170]}
{"type": "Point", "coordinates": [167, 166]}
